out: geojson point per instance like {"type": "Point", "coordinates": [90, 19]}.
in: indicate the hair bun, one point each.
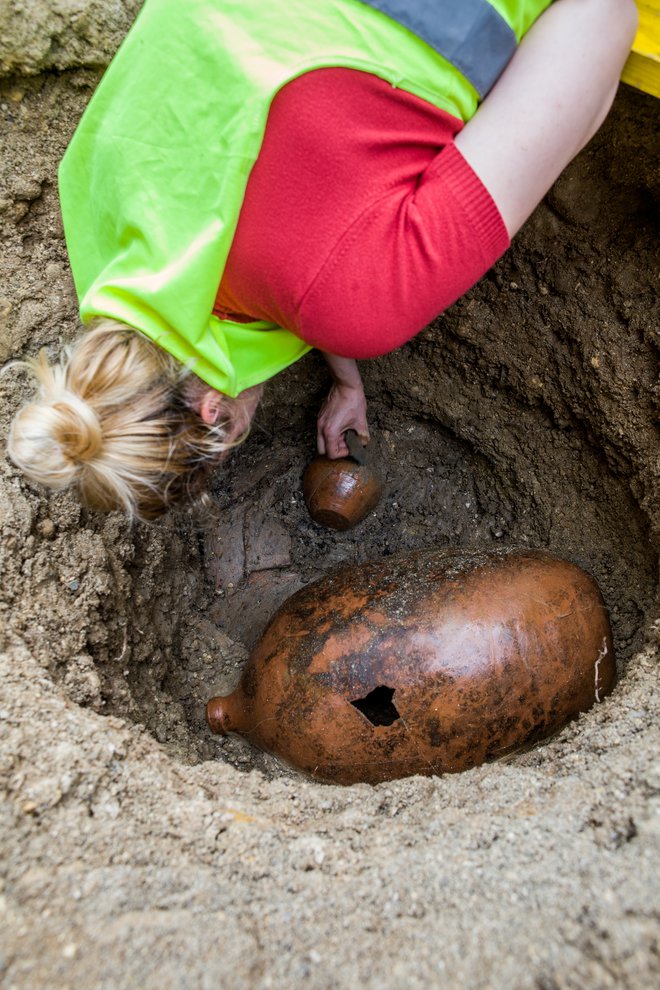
{"type": "Point", "coordinates": [77, 429]}
{"type": "Point", "coordinates": [112, 418]}
{"type": "Point", "coordinates": [51, 438]}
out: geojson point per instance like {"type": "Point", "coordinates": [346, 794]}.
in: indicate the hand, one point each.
{"type": "Point", "coordinates": [243, 408]}
{"type": "Point", "coordinates": [345, 408]}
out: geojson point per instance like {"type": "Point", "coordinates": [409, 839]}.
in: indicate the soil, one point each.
{"type": "Point", "coordinates": [141, 850]}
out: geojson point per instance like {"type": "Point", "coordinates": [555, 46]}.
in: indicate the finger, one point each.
{"type": "Point", "coordinates": [337, 446]}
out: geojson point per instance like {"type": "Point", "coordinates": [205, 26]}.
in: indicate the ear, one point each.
{"type": "Point", "coordinates": [210, 406]}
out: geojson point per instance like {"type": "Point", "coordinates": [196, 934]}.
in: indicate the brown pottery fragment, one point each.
{"type": "Point", "coordinates": [427, 663]}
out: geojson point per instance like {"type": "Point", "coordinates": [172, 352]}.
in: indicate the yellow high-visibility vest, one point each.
{"type": "Point", "coordinates": [152, 183]}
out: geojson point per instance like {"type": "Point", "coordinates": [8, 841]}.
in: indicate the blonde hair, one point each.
{"type": "Point", "coordinates": [115, 419]}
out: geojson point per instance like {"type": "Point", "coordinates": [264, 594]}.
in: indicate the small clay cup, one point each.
{"type": "Point", "coordinates": [341, 493]}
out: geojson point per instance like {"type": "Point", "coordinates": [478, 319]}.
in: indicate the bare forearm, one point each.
{"type": "Point", "coordinates": [344, 371]}
{"type": "Point", "coordinates": [549, 101]}
{"type": "Point", "coordinates": [344, 409]}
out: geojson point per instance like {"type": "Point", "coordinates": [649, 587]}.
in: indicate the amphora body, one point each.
{"type": "Point", "coordinates": [427, 663]}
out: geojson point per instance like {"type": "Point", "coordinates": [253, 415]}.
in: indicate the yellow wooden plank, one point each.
{"type": "Point", "coordinates": [642, 73]}
{"type": "Point", "coordinates": [647, 39]}
{"type": "Point", "coordinates": [643, 66]}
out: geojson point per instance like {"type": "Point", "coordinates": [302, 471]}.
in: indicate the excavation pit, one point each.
{"type": "Point", "coordinates": [522, 416]}
{"type": "Point", "coordinates": [525, 415]}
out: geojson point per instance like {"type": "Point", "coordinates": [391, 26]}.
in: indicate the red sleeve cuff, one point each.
{"type": "Point", "coordinates": [463, 182]}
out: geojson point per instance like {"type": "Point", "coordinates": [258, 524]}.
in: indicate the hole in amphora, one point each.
{"type": "Point", "coordinates": [378, 706]}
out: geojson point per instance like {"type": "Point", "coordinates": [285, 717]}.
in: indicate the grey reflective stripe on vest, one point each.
{"type": "Point", "coordinates": [470, 34]}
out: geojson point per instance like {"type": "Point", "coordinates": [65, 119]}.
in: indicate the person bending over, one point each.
{"type": "Point", "coordinates": [250, 181]}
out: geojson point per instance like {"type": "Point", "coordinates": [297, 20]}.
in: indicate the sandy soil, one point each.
{"type": "Point", "coordinates": [141, 850]}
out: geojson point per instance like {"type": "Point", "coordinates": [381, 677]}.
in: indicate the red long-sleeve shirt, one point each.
{"type": "Point", "coordinates": [361, 221]}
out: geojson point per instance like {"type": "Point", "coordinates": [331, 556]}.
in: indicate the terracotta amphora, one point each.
{"type": "Point", "coordinates": [427, 663]}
